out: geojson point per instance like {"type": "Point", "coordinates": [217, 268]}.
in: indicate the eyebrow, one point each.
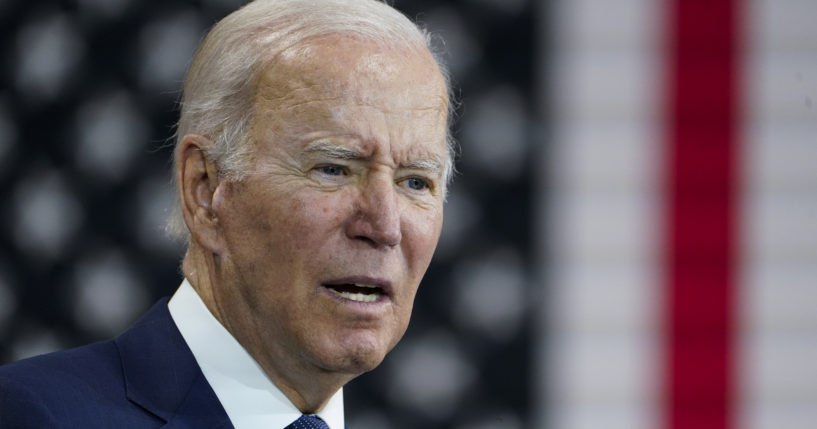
{"type": "Point", "coordinates": [334, 151]}
{"type": "Point", "coordinates": [430, 165]}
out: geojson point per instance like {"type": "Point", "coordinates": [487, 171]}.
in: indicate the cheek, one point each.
{"type": "Point", "coordinates": [421, 234]}
{"type": "Point", "coordinates": [428, 225]}
{"type": "Point", "coordinates": [310, 218]}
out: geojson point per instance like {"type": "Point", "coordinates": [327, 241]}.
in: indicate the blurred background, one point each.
{"type": "Point", "coordinates": [631, 240]}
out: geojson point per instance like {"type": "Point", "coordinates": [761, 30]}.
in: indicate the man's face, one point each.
{"type": "Point", "coordinates": [328, 238]}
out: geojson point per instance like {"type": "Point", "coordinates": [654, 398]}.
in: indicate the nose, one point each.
{"type": "Point", "coordinates": [377, 218]}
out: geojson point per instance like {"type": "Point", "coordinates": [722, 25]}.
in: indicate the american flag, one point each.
{"type": "Point", "coordinates": [680, 250]}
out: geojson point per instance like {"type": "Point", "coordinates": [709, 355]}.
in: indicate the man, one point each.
{"type": "Point", "coordinates": [311, 163]}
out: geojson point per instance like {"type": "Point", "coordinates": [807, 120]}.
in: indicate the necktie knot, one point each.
{"type": "Point", "coordinates": [308, 422]}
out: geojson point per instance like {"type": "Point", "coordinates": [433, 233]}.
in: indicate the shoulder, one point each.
{"type": "Point", "coordinates": [21, 406]}
{"type": "Point", "coordinates": [87, 386]}
{"type": "Point", "coordinates": [67, 366]}
{"type": "Point", "coordinates": [52, 387]}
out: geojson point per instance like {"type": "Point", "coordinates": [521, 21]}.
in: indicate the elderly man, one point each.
{"type": "Point", "coordinates": [311, 164]}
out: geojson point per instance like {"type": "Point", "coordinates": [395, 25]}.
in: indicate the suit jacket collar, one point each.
{"type": "Point", "coordinates": [162, 376]}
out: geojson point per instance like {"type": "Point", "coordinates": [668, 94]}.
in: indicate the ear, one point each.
{"type": "Point", "coordinates": [197, 179]}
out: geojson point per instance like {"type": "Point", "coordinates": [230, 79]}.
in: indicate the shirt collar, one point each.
{"type": "Point", "coordinates": [248, 396]}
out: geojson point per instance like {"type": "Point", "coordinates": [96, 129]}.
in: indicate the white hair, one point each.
{"type": "Point", "coordinates": [218, 96]}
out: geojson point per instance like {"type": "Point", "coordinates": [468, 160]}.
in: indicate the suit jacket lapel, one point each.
{"type": "Point", "coordinates": [162, 376]}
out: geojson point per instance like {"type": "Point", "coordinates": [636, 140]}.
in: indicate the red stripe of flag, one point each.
{"type": "Point", "coordinates": [701, 196]}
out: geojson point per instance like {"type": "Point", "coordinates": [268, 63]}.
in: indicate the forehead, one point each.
{"type": "Point", "coordinates": [353, 71]}
{"type": "Point", "coordinates": [343, 85]}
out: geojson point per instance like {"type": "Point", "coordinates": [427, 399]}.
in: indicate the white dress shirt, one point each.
{"type": "Point", "coordinates": [250, 399]}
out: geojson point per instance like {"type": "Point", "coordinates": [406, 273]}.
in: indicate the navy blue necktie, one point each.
{"type": "Point", "coordinates": [308, 422]}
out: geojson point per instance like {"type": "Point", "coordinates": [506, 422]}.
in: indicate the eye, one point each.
{"type": "Point", "coordinates": [332, 170]}
{"type": "Point", "coordinates": [417, 183]}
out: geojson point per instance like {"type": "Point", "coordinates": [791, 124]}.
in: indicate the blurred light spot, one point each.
{"type": "Point", "coordinates": [166, 47]}
{"type": "Point", "coordinates": [103, 8]}
{"type": "Point", "coordinates": [111, 131]}
{"type": "Point", "coordinates": [47, 215]}
{"type": "Point", "coordinates": [370, 420]}
{"type": "Point", "coordinates": [460, 47]}
{"type": "Point", "coordinates": [430, 374]}
{"type": "Point", "coordinates": [107, 294]}
{"type": "Point", "coordinates": [494, 133]}
{"type": "Point", "coordinates": [34, 341]}
{"type": "Point", "coordinates": [155, 199]}
{"type": "Point", "coordinates": [48, 51]}
{"type": "Point", "coordinates": [461, 214]}
{"type": "Point", "coordinates": [490, 294]}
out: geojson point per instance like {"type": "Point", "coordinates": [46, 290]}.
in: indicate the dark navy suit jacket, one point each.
{"type": "Point", "coordinates": [145, 378]}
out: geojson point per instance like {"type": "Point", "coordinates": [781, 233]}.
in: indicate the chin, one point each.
{"type": "Point", "coordinates": [356, 357]}
{"type": "Point", "coordinates": [358, 364]}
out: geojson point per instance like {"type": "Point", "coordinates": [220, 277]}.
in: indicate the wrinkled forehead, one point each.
{"type": "Point", "coordinates": [347, 67]}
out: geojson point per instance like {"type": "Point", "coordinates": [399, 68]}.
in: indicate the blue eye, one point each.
{"type": "Point", "coordinates": [331, 170]}
{"type": "Point", "coordinates": [417, 184]}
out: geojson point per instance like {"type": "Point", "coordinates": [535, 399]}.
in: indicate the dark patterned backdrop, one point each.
{"type": "Point", "coordinates": [87, 104]}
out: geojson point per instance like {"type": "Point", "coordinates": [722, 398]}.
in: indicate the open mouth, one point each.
{"type": "Point", "coordinates": [356, 291]}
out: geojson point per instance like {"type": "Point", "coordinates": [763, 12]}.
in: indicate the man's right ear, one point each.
{"type": "Point", "coordinates": [198, 181]}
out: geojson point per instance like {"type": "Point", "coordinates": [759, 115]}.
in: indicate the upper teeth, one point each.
{"type": "Point", "coordinates": [363, 285]}
{"type": "Point", "coordinates": [359, 297]}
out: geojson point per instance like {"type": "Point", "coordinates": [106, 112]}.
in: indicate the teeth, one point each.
{"type": "Point", "coordinates": [359, 297]}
